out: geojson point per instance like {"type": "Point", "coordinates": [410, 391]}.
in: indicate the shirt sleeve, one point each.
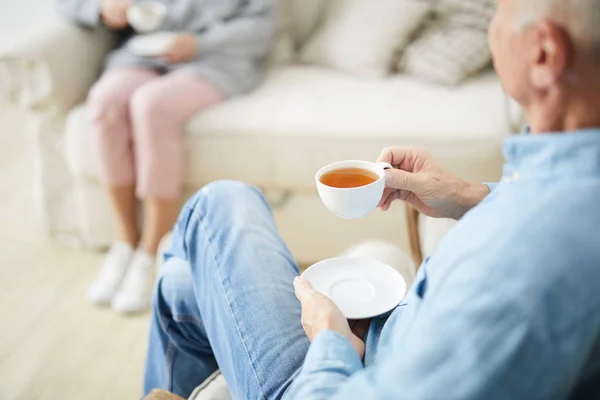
{"type": "Point", "coordinates": [330, 361]}
{"type": "Point", "coordinates": [472, 339]}
{"type": "Point", "coordinates": [84, 12]}
{"type": "Point", "coordinates": [250, 32]}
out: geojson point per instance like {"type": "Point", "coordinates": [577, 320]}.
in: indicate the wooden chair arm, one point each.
{"type": "Point", "coordinates": [158, 394]}
{"type": "Point", "coordinates": [414, 237]}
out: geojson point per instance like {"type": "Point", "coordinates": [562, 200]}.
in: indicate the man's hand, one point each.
{"type": "Point", "coordinates": [319, 313]}
{"type": "Point", "coordinates": [418, 180]}
{"type": "Point", "coordinates": [182, 49]}
{"type": "Point", "coordinates": [114, 13]}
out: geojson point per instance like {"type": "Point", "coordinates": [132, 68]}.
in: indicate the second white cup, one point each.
{"type": "Point", "coordinates": [146, 17]}
{"type": "Point", "coordinates": [353, 202]}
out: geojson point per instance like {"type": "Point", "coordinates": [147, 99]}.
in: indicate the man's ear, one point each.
{"type": "Point", "coordinates": [551, 53]}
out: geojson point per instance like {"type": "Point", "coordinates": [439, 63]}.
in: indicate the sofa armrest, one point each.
{"type": "Point", "coordinates": [56, 66]}
{"type": "Point", "coordinates": [46, 75]}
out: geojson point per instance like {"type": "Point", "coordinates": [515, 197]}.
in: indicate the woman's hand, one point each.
{"type": "Point", "coordinates": [182, 49]}
{"type": "Point", "coordinates": [421, 182]}
{"type": "Point", "coordinates": [114, 13]}
{"type": "Point", "coordinates": [319, 313]}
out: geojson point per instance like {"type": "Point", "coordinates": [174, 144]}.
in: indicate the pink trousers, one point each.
{"type": "Point", "coordinates": [137, 121]}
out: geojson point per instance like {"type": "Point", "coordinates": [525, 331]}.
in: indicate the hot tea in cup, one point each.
{"type": "Point", "coordinates": [351, 189]}
{"type": "Point", "coordinates": [348, 177]}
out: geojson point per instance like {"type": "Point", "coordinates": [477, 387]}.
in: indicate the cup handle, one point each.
{"type": "Point", "coordinates": [384, 165]}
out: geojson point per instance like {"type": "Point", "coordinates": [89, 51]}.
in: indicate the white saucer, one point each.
{"type": "Point", "coordinates": [360, 287]}
{"type": "Point", "coordinates": [152, 44]}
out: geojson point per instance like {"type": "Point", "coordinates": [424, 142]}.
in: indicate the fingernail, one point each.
{"type": "Point", "coordinates": [296, 280]}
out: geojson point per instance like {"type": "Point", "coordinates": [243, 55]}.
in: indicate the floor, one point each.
{"type": "Point", "coordinates": [53, 343]}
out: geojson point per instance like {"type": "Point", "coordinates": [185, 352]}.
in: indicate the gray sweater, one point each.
{"type": "Point", "coordinates": [233, 38]}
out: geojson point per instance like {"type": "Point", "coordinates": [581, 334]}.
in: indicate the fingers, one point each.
{"type": "Point", "coordinates": [114, 13]}
{"type": "Point", "coordinates": [124, 5]}
{"type": "Point", "coordinates": [171, 58]}
{"type": "Point", "coordinates": [174, 57]}
{"type": "Point", "coordinates": [116, 21]}
{"type": "Point", "coordinates": [388, 201]}
{"type": "Point", "coordinates": [174, 54]}
{"type": "Point", "coordinates": [384, 196]}
{"type": "Point", "coordinates": [303, 288]}
{"type": "Point", "coordinates": [177, 51]}
{"type": "Point", "coordinates": [118, 8]}
{"type": "Point", "coordinates": [387, 193]}
{"type": "Point", "coordinates": [390, 195]}
{"type": "Point", "coordinates": [400, 179]}
{"type": "Point", "coordinates": [394, 155]}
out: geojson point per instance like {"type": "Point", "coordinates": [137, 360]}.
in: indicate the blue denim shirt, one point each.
{"type": "Point", "coordinates": [508, 307]}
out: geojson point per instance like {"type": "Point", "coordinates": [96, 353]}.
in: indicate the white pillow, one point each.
{"type": "Point", "coordinates": [282, 48]}
{"type": "Point", "coordinates": [452, 46]}
{"type": "Point", "coordinates": [361, 36]}
{"type": "Point", "coordinates": [305, 16]}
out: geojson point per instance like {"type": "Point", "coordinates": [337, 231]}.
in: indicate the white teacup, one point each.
{"type": "Point", "coordinates": [147, 16]}
{"type": "Point", "coordinates": [355, 202]}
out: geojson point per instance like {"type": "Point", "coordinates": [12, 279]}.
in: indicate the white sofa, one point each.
{"type": "Point", "coordinates": [300, 118]}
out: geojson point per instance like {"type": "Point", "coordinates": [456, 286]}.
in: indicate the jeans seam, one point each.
{"type": "Point", "coordinates": [202, 225]}
{"type": "Point", "coordinates": [189, 208]}
{"type": "Point", "coordinates": [170, 358]}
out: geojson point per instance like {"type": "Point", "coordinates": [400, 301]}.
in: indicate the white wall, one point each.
{"type": "Point", "coordinates": [18, 20]}
{"type": "Point", "coordinates": [21, 18]}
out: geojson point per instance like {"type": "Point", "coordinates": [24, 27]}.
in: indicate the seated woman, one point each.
{"type": "Point", "coordinates": [138, 108]}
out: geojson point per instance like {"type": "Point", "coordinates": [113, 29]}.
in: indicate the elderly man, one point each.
{"type": "Point", "coordinates": [507, 308]}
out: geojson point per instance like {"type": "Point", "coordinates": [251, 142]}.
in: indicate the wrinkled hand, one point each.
{"type": "Point", "coordinates": [319, 313]}
{"type": "Point", "coordinates": [114, 13]}
{"type": "Point", "coordinates": [421, 182]}
{"type": "Point", "coordinates": [182, 49]}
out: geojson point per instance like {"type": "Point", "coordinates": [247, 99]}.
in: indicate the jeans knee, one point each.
{"type": "Point", "coordinates": [224, 202]}
{"type": "Point", "coordinates": [229, 191]}
{"type": "Point", "coordinates": [229, 196]}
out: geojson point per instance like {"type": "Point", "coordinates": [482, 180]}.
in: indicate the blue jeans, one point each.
{"type": "Point", "coordinates": [225, 299]}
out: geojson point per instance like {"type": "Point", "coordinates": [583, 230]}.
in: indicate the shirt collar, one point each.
{"type": "Point", "coordinates": [552, 155]}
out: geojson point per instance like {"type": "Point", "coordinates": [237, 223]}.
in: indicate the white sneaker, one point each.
{"type": "Point", "coordinates": [110, 274]}
{"type": "Point", "coordinates": [135, 292]}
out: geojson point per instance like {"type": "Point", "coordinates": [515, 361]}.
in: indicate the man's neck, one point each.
{"type": "Point", "coordinates": [573, 118]}
{"type": "Point", "coordinates": [563, 111]}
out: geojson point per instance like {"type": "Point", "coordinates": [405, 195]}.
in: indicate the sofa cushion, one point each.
{"type": "Point", "coordinates": [362, 37]}
{"type": "Point", "coordinates": [305, 16]}
{"type": "Point", "coordinates": [283, 47]}
{"type": "Point", "coordinates": [296, 21]}
{"type": "Point", "coordinates": [302, 118]}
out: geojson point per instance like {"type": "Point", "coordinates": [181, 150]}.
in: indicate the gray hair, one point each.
{"type": "Point", "coordinates": [581, 18]}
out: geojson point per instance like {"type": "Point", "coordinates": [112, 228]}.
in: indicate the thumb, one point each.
{"type": "Point", "coordinates": [303, 288]}
{"type": "Point", "coordinates": [400, 179]}
{"type": "Point", "coordinates": [123, 6]}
